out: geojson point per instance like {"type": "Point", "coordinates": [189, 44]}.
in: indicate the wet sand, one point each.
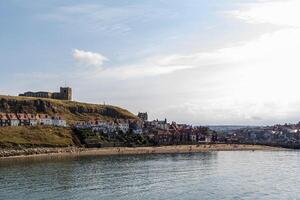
{"type": "Point", "coordinates": [177, 149]}
{"type": "Point", "coordinates": [73, 151]}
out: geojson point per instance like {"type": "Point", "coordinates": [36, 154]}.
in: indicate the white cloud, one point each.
{"type": "Point", "coordinates": [254, 82]}
{"type": "Point", "coordinates": [89, 58]}
{"type": "Point", "coordinates": [147, 68]}
{"type": "Point", "coordinates": [141, 71]}
{"type": "Point", "coordinates": [256, 73]}
{"type": "Point", "coordinates": [285, 13]}
{"type": "Point", "coordinates": [251, 82]}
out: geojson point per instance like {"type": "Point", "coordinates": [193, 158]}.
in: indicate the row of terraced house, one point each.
{"type": "Point", "coordinates": [24, 119]}
{"type": "Point", "coordinates": [110, 127]}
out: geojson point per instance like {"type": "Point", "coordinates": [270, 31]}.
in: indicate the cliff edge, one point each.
{"type": "Point", "coordinates": [71, 111]}
{"type": "Point", "coordinates": [51, 136]}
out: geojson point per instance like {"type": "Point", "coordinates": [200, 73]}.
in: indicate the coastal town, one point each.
{"type": "Point", "coordinates": [24, 119]}
{"type": "Point", "coordinates": [149, 99]}
{"type": "Point", "coordinates": [136, 130]}
{"type": "Point", "coordinates": [160, 132]}
{"type": "Point", "coordinates": [287, 135]}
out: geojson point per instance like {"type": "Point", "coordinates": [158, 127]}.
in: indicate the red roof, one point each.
{"type": "Point", "coordinates": [57, 117]}
{"type": "Point", "coordinates": [3, 116]}
{"type": "Point", "coordinates": [31, 116]}
{"type": "Point", "coordinates": [12, 116]}
{"type": "Point", "coordinates": [44, 116]}
{"type": "Point", "coordinates": [22, 116]}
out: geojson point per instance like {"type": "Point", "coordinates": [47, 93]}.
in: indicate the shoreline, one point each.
{"type": "Point", "coordinates": [175, 149]}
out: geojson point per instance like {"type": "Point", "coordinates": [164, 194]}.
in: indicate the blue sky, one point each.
{"type": "Point", "coordinates": [194, 61]}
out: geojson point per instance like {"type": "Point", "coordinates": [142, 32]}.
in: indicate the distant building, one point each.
{"type": "Point", "coordinates": [136, 127]}
{"type": "Point", "coordinates": [65, 93]}
{"type": "Point", "coordinates": [193, 136]}
{"type": "Point", "coordinates": [4, 121]}
{"type": "Point", "coordinates": [32, 119]}
{"type": "Point", "coordinates": [13, 119]}
{"type": "Point", "coordinates": [23, 119]}
{"type": "Point", "coordinates": [123, 127]}
{"type": "Point", "coordinates": [44, 119]}
{"type": "Point", "coordinates": [59, 121]}
{"type": "Point", "coordinates": [143, 116]}
{"type": "Point", "coordinates": [160, 124]}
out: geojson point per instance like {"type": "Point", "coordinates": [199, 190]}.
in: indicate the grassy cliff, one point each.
{"type": "Point", "coordinates": [39, 136]}
{"type": "Point", "coordinates": [52, 136]}
{"type": "Point", "coordinates": [72, 111]}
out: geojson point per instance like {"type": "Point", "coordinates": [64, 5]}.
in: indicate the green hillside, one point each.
{"type": "Point", "coordinates": [50, 136]}
{"type": "Point", "coordinates": [38, 136]}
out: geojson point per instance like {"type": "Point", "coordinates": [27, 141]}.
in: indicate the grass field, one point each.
{"type": "Point", "coordinates": [44, 136]}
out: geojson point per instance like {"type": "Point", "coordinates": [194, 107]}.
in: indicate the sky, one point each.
{"type": "Point", "coordinates": [201, 62]}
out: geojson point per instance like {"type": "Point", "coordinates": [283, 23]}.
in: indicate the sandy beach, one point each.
{"type": "Point", "coordinates": [73, 151]}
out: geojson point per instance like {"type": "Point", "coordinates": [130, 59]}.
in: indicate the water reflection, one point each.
{"type": "Point", "coordinates": [164, 176]}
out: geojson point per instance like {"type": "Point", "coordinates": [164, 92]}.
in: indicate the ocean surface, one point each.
{"type": "Point", "coordinates": [213, 175]}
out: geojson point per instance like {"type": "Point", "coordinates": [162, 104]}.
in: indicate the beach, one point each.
{"type": "Point", "coordinates": [74, 151]}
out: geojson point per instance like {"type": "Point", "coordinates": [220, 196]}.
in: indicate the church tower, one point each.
{"type": "Point", "coordinates": [66, 93]}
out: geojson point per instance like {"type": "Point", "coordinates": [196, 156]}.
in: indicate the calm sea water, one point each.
{"type": "Point", "coordinates": [215, 175]}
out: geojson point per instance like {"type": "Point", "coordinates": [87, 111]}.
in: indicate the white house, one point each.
{"type": "Point", "coordinates": [59, 121]}
{"type": "Point", "coordinates": [13, 119]}
{"type": "Point", "coordinates": [4, 121]}
{"type": "Point", "coordinates": [160, 124]}
{"type": "Point", "coordinates": [193, 137]}
{"type": "Point", "coordinates": [124, 127]}
{"type": "Point", "coordinates": [100, 126]}
{"type": "Point", "coordinates": [44, 119]}
{"type": "Point", "coordinates": [23, 119]}
{"type": "Point", "coordinates": [208, 138]}
{"type": "Point", "coordinates": [32, 119]}
{"type": "Point", "coordinates": [81, 124]}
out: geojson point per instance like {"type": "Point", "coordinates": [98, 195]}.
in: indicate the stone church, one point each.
{"type": "Point", "coordinates": [65, 93]}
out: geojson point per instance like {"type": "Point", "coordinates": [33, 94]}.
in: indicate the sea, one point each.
{"type": "Point", "coordinates": [209, 175]}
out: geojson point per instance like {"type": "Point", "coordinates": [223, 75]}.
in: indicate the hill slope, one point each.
{"type": "Point", "coordinates": [38, 136]}
{"type": "Point", "coordinates": [72, 111]}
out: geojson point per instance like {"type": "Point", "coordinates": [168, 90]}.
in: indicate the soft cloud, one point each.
{"type": "Point", "coordinates": [147, 68]}
{"type": "Point", "coordinates": [284, 13]}
{"type": "Point", "coordinates": [249, 82]}
{"type": "Point", "coordinates": [141, 71]}
{"type": "Point", "coordinates": [253, 82]}
{"type": "Point", "coordinates": [89, 58]}
{"type": "Point", "coordinates": [254, 74]}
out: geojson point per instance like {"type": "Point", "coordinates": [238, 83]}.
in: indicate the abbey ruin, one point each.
{"type": "Point", "coordinates": [64, 94]}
